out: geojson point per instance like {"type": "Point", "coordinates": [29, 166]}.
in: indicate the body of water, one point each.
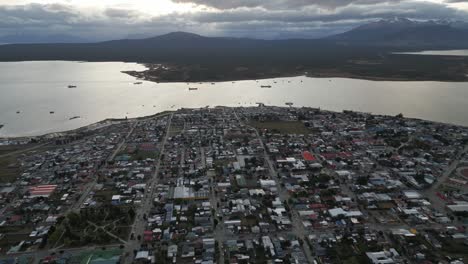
{"type": "Point", "coordinates": [29, 91]}
{"type": "Point", "coordinates": [438, 52]}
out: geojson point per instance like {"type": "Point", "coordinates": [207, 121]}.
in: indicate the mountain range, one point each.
{"type": "Point", "coordinates": [364, 52]}
{"type": "Point", "coordinates": [403, 32]}
{"type": "Point", "coordinates": [397, 32]}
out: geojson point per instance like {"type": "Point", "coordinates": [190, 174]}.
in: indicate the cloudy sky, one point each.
{"type": "Point", "coordinates": [112, 19]}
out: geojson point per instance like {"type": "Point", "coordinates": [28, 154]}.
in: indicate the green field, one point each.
{"type": "Point", "coordinates": [283, 127]}
{"type": "Point", "coordinates": [9, 169]}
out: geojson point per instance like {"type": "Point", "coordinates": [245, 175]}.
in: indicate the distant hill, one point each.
{"type": "Point", "coordinates": [364, 52]}
{"type": "Point", "coordinates": [180, 47]}
{"type": "Point", "coordinates": [403, 32]}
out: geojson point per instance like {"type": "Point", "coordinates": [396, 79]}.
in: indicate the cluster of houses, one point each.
{"type": "Point", "coordinates": [259, 185]}
{"type": "Point", "coordinates": [51, 184]}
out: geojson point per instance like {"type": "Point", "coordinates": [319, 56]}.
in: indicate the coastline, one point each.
{"type": "Point", "coordinates": [160, 73]}
{"type": "Point", "coordinates": [113, 121]}
{"type": "Point", "coordinates": [86, 128]}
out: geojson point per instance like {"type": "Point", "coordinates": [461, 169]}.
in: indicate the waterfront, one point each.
{"type": "Point", "coordinates": [34, 89]}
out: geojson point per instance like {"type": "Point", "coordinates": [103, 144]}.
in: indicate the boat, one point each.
{"type": "Point", "coordinates": [289, 103]}
{"type": "Point", "coordinates": [136, 83]}
{"type": "Point", "coordinates": [193, 88]}
{"type": "Point", "coordinates": [71, 86]}
{"type": "Point", "coordinates": [51, 112]}
{"type": "Point", "coordinates": [1, 126]}
{"type": "Point", "coordinates": [75, 117]}
{"type": "Point", "coordinates": [265, 86]}
{"type": "Point", "coordinates": [18, 112]}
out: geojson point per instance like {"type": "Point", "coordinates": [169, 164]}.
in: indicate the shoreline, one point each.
{"type": "Point", "coordinates": [112, 121]}
{"type": "Point", "coordinates": [142, 75]}
{"type": "Point", "coordinates": [89, 127]}
{"type": "Point", "coordinates": [179, 73]}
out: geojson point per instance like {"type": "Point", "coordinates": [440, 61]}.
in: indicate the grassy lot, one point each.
{"type": "Point", "coordinates": [105, 196]}
{"type": "Point", "coordinates": [104, 253]}
{"type": "Point", "coordinates": [284, 127]}
{"type": "Point", "coordinates": [9, 169]}
{"type": "Point", "coordinates": [10, 148]}
{"type": "Point", "coordinates": [143, 154]}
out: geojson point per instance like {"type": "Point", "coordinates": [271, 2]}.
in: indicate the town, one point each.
{"type": "Point", "coordinates": [238, 185]}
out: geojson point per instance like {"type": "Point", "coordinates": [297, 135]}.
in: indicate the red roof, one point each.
{"type": "Point", "coordinates": [15, 218]}
{"type": "Point", "coordinates": [329, 156]}
{"type": "Point", "coordinates": [308, 156]}
{"type": "Point", "coordinates": [42, 190]}
{"type": "Point", "coordinates": [148, 235]}
{"type": "Point", "coordinates": [317, 206]}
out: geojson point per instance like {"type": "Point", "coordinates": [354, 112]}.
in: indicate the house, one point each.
{"type": "Point", "coordinates": [384, 257]}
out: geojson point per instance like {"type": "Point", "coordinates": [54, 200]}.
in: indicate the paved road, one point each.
{"type": "Point", "coordinates": [298, 228]}
{"type": "Point", "coordinates": [139, 224]}
{"type": "Point", "coordinates": [90, 186]}
{"type": "Point", "coordinates": [219, 230]}
{"type": "Point", "coordinates": [430, 193]}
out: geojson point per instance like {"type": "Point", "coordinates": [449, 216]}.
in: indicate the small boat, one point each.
{"type": "Point", "coordinates": [71, 86]}
{"type": "Point", "coordinates": [212, 83]}
{"type": "Point", "coordinates": [265, 86]}
{"type": "Point", "coordinates": [18, 112]}
{"type": "Point", "coordinates": [1, 126]}
{"type": "Point", "coordinates": [136, 83]}
{"type": "Point", "coordinates": [75, 117]}
{"type": "Point", "coordinates": [193, 88]}
{"type": "Point", "coordinates": [289, 103]}
{"type": "Point", "coordinates": [51, 112]}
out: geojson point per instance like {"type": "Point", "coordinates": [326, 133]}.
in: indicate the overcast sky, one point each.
{"type": "Point", "coordinates": [111, 19]}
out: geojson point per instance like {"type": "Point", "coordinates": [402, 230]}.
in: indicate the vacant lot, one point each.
{"type": "Point", "coordinates": [284, 127]}
{"type": "Point", "coordinates": [9, 169]}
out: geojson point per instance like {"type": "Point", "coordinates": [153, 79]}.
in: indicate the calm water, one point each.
{"type": "Point", "coordinates": [36, 88]}
{"type": "Point", "coordinates": [438, 52]}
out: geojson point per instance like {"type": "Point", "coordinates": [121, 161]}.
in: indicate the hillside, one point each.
{"type": "Point", "coordinates": [405, 33]}
{"type": "Point", "coordinates": [365, 52]}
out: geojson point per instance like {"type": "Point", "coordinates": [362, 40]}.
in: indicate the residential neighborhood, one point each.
{"type": "Point", "coordinates": [238, 185]}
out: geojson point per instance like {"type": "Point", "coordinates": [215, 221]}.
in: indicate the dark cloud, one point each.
{"type": "Point", "coordinates": [281, 4]}
{"type": "Point", "coordinates": [286, 19]}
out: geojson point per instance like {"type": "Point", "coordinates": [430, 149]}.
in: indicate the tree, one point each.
{"type": "Point", "coordinates": [131, 213]}
{"type": "Point", "coordinates": [362, 181]}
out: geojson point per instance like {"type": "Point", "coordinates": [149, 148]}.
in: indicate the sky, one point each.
{"type": "Point", "coordinates": [269, 19]}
